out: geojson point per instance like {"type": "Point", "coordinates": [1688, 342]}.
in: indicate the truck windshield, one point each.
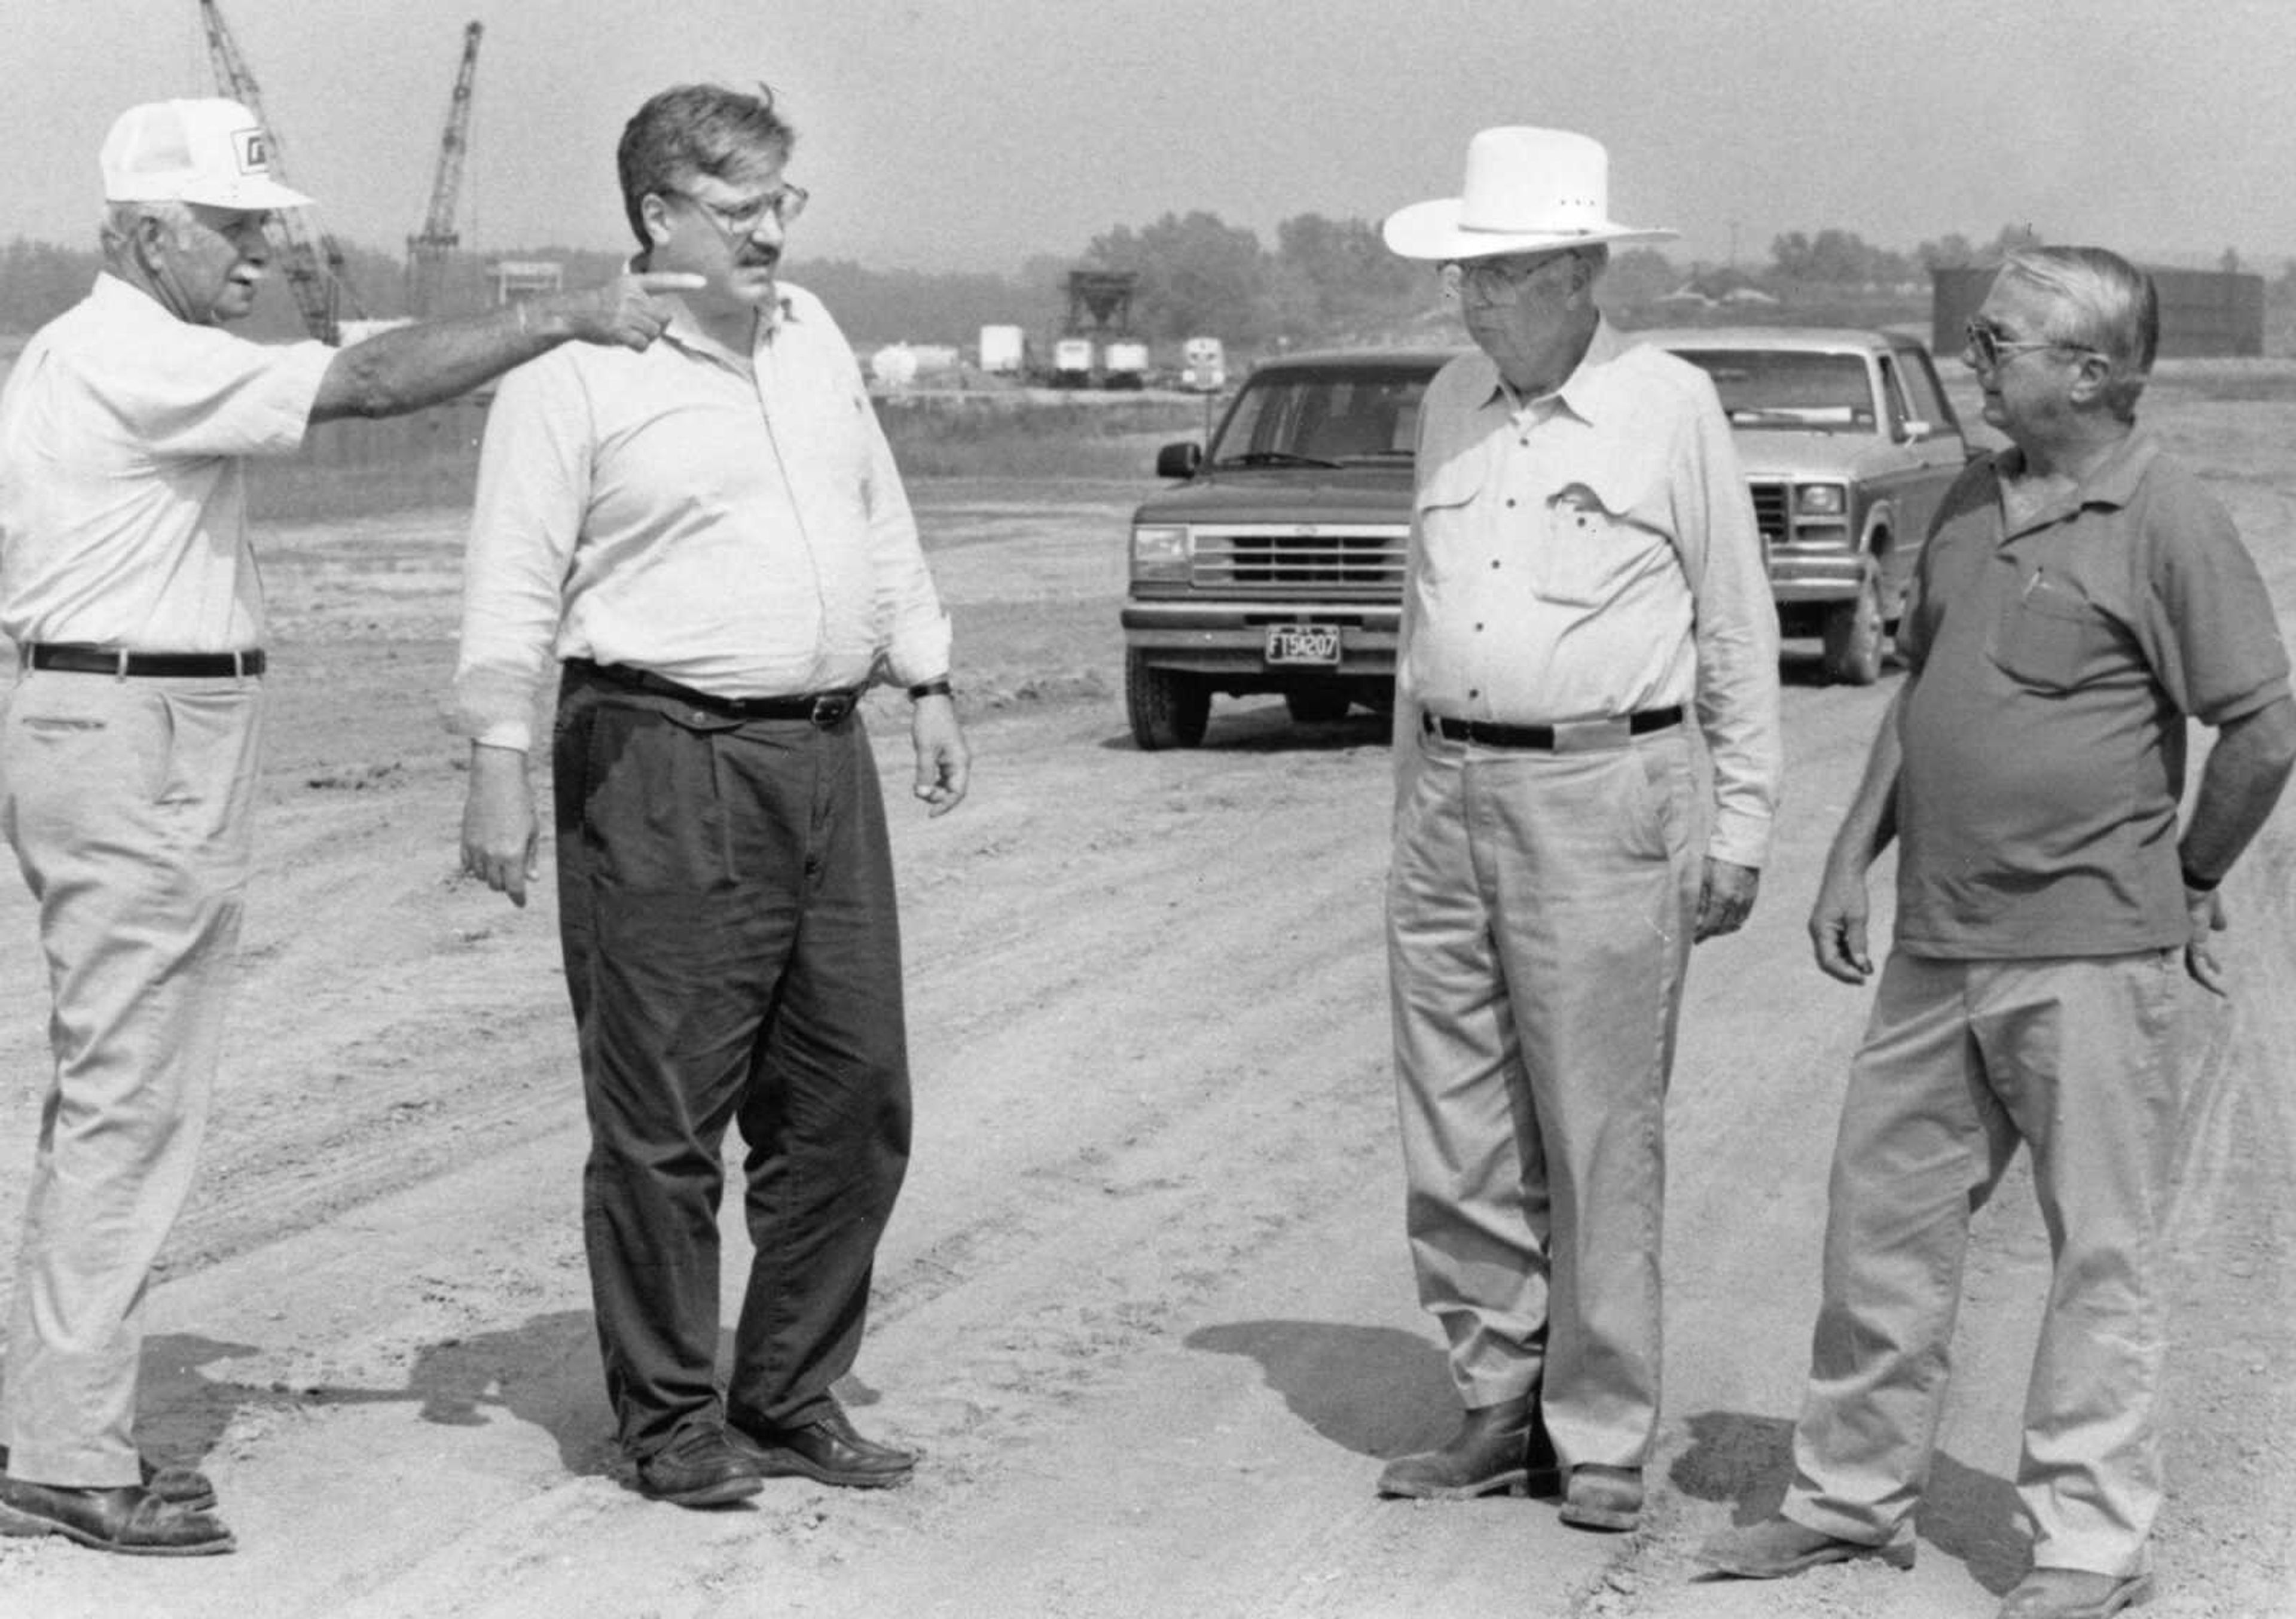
{"type": "Point", "coordinates": [1320, 418]}
{"type": "Point", "coordinates": [1781, 389]}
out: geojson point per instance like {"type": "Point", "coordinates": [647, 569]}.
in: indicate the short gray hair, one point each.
{"type": "Point", "coordinates": [116, 231]}
{"type": "Point", "coordinates": [2100, 303]}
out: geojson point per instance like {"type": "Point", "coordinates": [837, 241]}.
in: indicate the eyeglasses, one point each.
{"type": "Point", "coordinates": [1492, 280]}
{"type": "Point", "coordinates": [1985, 348]}
{"type": "Point", "coordinates": [784, 205]}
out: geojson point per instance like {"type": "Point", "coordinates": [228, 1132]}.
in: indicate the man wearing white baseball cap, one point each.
{"type": "Point", "coordinates": [1584, 575]}
{"type": "Point", "coordinates": [128, 745]}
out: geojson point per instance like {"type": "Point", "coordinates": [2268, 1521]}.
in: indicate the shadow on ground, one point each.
{"type": "Point", "coordinates": [1746, 1460]}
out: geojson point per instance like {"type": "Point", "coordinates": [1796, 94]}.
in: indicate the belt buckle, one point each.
{"type": "Point", "coordinates": [830, 710]}
{"type": "Point", "coordinates": [1592, 735]}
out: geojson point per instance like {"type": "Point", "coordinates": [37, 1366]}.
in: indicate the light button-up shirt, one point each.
{"type": "Point", "coordinates": [732, 523]}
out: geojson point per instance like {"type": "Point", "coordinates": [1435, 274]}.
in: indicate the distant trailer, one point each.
{"type": "Point", "coordinates": [2202, 312]}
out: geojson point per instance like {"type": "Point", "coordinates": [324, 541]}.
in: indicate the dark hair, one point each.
{"type": "Point", "coordinates": [689, 129]}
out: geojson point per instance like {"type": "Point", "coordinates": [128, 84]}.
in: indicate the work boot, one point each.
{"type": "Point", "coordinates": [1777, 1547]}
{"type": "Point", "coordinates": [1603, 1498]}
{"type": "Point", "coordinates": [1495, 1449]}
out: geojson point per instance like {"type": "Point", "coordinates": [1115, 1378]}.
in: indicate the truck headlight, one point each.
{"type": "Point", "coordinates": [1820, 500]}
{"type": "Point", "coordinates": [1159, 552]}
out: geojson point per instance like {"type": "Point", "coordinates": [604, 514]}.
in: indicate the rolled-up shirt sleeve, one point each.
{"type": "Point", "coordinates": [534, 478]}
{"type": "Point", "coordinates": [1736, 630]}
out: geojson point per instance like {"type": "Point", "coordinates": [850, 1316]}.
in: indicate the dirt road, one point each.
{"type": "Point", "coordinates": [1145, 1303]}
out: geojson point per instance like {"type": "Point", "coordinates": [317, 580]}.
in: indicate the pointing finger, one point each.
{"type": "Point", "coordinates": [670, 280]}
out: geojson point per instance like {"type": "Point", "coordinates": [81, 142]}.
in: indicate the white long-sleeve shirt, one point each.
{"type": "Point", "coordinates": [732, 523]}
{"type": "Point", "coordinates": [1589, 555]}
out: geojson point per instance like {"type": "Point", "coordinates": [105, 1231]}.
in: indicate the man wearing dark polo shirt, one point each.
{"type": "Point", "coordinates": [2082, 595]}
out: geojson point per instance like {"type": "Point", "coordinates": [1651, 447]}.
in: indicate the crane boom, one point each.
{"type": "Point", "coordinates": [426, 253]}
{"type": "Point", "coordinates": [313, 259]}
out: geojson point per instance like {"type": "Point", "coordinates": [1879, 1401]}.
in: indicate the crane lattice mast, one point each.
{"type": "Point", "coordinates": [312, 259]}
{"type": "Point", "coordinates": [426, 253]}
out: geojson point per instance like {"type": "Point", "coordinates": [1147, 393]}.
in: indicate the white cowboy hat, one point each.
{"type": "Point", "coordinates": [1529, 191]}
{"type": "Point", "coordinates": [212, 151]}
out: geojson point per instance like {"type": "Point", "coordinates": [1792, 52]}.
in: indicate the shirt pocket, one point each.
{"type": "Point", "coordinates": [1443, 508]}
{"type": "Point", "coordinates": [1589, 549]}
{"type": "Point", "coordinates": [2050, 636]}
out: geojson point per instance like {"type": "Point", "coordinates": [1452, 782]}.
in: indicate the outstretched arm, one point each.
{"type": "Point", "coordinates": [408, 368]}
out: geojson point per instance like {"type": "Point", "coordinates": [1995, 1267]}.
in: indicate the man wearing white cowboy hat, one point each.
{"type": "Point", "coordinates": [128, 745]}
{"type": "Point", "coordinates": [1584, 573]}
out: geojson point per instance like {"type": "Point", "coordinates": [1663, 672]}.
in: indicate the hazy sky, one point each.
{"type": "Point", "coordinates": [972, 134]}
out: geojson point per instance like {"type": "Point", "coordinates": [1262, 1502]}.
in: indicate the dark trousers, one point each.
{"type": "Point", "coordinates": [726, 911]}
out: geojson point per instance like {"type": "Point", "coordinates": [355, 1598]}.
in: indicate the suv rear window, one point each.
{"type": "Point", "coordinates": [1331, 419]}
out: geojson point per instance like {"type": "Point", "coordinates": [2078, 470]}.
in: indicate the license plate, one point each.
{"type": "Point", "coordinates": [1303, 643]}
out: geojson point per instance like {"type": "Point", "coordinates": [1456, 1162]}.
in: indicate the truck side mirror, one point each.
{"type": "Point", "coordinates": [1180, 460]}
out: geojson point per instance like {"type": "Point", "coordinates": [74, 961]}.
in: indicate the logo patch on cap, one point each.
{"type": "Point", "coordinates": [247, 146]}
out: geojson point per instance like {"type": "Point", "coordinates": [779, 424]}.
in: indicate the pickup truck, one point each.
{"type": "Point", "coordinates": [1847, 443]}
{"type": "Point", "coordinates": [1277, 563]}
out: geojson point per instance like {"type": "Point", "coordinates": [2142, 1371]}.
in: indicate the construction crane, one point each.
{"type": "Point", "coordinates": [426, 253]}
{"type": "Point", "coordinates": [310, 255]}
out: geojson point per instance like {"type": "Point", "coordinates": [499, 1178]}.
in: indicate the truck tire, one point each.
{"type": "Point", "coordinates": [1316, 704]}
{"type": "Point", "coordinates": [1855, 636]}
{"type": "Point", "coordinates": [1168, 710]}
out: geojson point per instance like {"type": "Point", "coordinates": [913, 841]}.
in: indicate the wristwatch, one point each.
{"type": "Point", "coordinates": [933, 688]}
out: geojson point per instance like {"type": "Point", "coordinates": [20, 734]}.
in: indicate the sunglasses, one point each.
{"type": "Point", "coordinates": [1985, 347]}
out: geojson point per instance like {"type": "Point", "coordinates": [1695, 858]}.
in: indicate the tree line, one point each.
{"type": "Point", "coordinates": [1323, 281]}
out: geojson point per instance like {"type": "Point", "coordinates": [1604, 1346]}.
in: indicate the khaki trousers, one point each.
{"type": "Point", "coordinates": [1538, 924]}
{"type": "Point", "coordinates": [1961, 1060]}
{"type": "Point", "coordinates": [128, 803]}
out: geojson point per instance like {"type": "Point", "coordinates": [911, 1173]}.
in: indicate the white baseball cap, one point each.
{"type": "Point", "coordinates": [212, 151]}
{"type": "Point", "coordinates": [1527, 191]}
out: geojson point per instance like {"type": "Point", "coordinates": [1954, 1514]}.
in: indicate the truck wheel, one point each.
{"type": "Point", "coordinates": [1855, 637]}
{"type": "Point", "coordinates": [1316, 704]}
{"type": "Point", "coordinates": [1166, 709]}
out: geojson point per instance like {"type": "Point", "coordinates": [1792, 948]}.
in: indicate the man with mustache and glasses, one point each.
{"type": "Point", "coordinates": [130, 744]}
{"type": "Point", "coordinates": [713, 547]}
{"type": "Point", "coordinates": [2080, 596]}
{"type": "Point", "coordinates": [1585, 583]}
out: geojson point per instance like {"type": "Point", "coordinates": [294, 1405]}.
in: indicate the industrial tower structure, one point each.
{"type": "Point", "coordinates": [426, 252]}
{"type": "Point", "coordinates": [312, 259]}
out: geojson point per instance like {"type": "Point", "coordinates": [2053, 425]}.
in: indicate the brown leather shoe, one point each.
{"type": "Point", "coordinates": [827, 1449]}
{"type": "Point", "coordinates": [1498, 1447]}
{"type": "Point", "coordinates": [1603, 1497]}
{"type": "Point", "coordinates": [1777, 1547]}
{"type": "Point", "coordinates": [177, 1486]}
{"type": "Point", "coordinates": [702, 1469]}
{"type": "Point", "coordinates": [2073, 1593]}
{"type": "Point", "coordinates": [127, 1518]}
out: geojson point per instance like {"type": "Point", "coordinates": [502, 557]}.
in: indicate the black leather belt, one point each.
{"type": "Point", "coordinates": [74, 660]}
{"type": "Point", "coordinates": [1552, 739]}
{"type": "Point", "coordinates": [825, 709]}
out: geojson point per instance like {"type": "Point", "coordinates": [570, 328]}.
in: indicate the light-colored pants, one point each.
{"type": "Point", "coordinates": [1961, 1060]}
{"type": "Point", "coordinates": [1538, 926]}
{"type": "Point", "coordinates": [128, 803]}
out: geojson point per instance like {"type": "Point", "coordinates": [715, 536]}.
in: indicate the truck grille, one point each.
{"type": "Point", "coordinates": [1319, 558]}
{"type": "Point", "coordinates": [1769, 511]}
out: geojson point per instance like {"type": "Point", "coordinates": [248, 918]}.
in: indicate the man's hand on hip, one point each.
{"type": "Point", "coordinates": [944, 763]}
{"type": "Point", "coordinates": [1725, 898]}
{"type": "Point", "coordinates": [2206, 913]}
{"type": "Point", "coordinates": [498, 827]}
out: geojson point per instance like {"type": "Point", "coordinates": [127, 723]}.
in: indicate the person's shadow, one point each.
{"type": "Point", "coordinates": [1746, 1460]}
{"type": "Point", "coordinates": [1372, 1390]}
{"type": "Point", "coordinates": [544, 1372]}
